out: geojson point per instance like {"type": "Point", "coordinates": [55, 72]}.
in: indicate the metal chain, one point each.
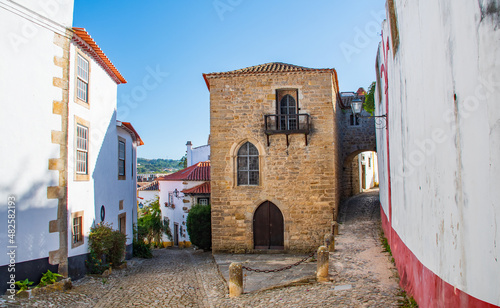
{"type": "Point", "coordinates": [278, 269]}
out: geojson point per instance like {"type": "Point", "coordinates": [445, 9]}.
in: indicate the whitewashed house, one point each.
{"type": "Point", "coordinates": [148, 193]}
{"type": "Point", "coordinates": [368, 168]}
{"type": "Point", "coordinates": [178, 192]}
{"type": "Point", "coordinates": [197, 154]}
{"type": "Point", "coordinates": [66, 156]}
{"type": "Point", "coordinates": [438, 71]}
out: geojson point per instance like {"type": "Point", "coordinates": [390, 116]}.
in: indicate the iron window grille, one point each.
{"type": "Point", "coordinates": [82, 83]}
{"type": "Point", "coordinates": [82, 139]}
{"type": "Point", "coordinates": [121, 158]}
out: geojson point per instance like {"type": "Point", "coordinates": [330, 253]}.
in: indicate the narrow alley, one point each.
{"type": "Point", "coordinates": [361, 273]}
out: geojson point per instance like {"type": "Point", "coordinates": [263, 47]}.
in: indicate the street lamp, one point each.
{"type": "Point", "coordinates": [357, 105]}
{"type": "Point", "coordinates": [177, 193]}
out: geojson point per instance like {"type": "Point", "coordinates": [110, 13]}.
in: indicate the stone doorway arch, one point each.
{"type": "Point", "coordinates": [353, 177]}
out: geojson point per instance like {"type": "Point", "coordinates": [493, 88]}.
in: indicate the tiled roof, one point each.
{"type": "Point", "coordinates": [151, 186]}
{"type": "Point", "coordinates": [196, 172]}
{"type": "Point", "coordinates": [347, 98]}
{"type": "Point", "coordinates": [267, 68]}
{"type": "Point", "coordinates": [200, 189]}
{"type": "Point", "coordinates": [127, 126]}
{"type": "Point", "coordinates": [84, 41]}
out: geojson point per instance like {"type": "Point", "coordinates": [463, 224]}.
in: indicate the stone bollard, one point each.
{"type": "Point", "coordinates": [323, 260]}
{"type": "Point", "coordinates": [330, 242]}
{"type": "Point", "coordinates": [335, 228]}
{"type": "Point", "coordinates": [235, 279]}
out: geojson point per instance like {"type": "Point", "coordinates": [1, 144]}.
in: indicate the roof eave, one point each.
{"type": "Point", "coordinates": [89, 45]}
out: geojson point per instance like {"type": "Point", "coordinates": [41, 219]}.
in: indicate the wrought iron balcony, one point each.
{"type": "Point", "coordinates": [286, 124]}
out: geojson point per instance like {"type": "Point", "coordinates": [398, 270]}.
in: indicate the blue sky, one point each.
{"type": "Point", "coordinates": [163, 47]}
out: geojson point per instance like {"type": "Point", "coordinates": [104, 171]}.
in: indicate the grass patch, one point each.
{"type": "Point", "coordinates": [407, 301]}
{"type": "Point", "coordinates": [385, 243]}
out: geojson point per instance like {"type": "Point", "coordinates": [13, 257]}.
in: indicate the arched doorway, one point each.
{"type": "Point", "coordinates": [268, 227]}
{"type": "Point", "coordinates": [360, 172]}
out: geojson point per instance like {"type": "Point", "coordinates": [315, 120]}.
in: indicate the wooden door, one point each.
{"type": "Point", "coordinates": [268, 226]}
{"type": "Point", "coordinates": [176, 234]}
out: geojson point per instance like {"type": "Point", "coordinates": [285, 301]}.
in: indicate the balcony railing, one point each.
{"type": "Point", "coordinates": [286, 124]}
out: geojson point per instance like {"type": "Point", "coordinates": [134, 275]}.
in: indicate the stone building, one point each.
{"type": "Point", "coordinates": [357, 135]}
{"type": "Point", "coordinates": [275, 157]}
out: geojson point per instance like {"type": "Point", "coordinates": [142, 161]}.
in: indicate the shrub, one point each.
{"type": "Point", "coordinates": [23, 285]}
{"type": "Point", "coordinates": [49, 278]}
{"type": "Point", "coordinates": [106, 246]}
{"type": "Point", "coordinates": [140, 248]}
{"type": "Point", "coordinates": [199, 226]}
{"type": "Point", "coordinates": [96, 265]}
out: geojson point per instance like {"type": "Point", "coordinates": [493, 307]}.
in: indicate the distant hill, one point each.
{"type": "Point", "coordinates": [157, 165]}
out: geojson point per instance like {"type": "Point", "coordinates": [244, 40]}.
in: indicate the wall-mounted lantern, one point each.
{"type": "Point", "coordinates": [357, 106]}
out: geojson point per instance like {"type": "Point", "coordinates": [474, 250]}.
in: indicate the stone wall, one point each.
{"type": "Point", "coordinates": [354, 140]}
{"type": "Point", "coordinates": [350, 178]}
{"type": "Point", "coordinates": [302, 181]}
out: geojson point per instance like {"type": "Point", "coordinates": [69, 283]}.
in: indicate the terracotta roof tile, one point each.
{"type": "Point", "coordinates": [200, 189]}
{"type": "Point", "coordinates": [84, 41]}
{"type": "Point", "coordinates": [151, 186]}
{"type": "Point", "coordinates": [196, 172]}
{"type": "Point", "coordinates": [268, 68]}
{"type": "Point", "coordinates": [127, 126]}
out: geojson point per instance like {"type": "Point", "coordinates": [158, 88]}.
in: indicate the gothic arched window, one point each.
{"type": "Point", "coordinates": [248, 165]}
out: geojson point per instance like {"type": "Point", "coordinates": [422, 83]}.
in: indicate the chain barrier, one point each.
{"type": "Point", "coordinates": [278, 269]}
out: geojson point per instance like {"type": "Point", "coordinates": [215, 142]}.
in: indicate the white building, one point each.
{"type": "Point", "coordinates": [368, 170]}
{"type": "Point", "coordinates": [197, 154]}
{"type": "Point", "coordinates": [178, 192]}
{"type": "Point", "coordinates": [148, 193]}
{"type": "Point", "coordinates": [66, 156]}
{"type": "Point", "coordinates": [438, 71]}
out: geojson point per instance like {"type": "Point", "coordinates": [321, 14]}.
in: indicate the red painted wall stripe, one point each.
{"type": "Point", "coordinates": [417, 280]}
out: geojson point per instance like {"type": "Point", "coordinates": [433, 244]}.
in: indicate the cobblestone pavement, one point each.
{"type": "Point", "coordinates": [362, 276]}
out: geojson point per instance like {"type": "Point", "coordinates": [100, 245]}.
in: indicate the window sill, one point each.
{"type": "Point", "coordinates": [82, 103]}
{"type": "Point", "coordinates": [82, 177]}
{"type": "Point", "coordinates": [77, 244]}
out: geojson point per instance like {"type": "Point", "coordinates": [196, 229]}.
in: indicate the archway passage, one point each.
{"type": "Point", "coordinates": [268, 231]}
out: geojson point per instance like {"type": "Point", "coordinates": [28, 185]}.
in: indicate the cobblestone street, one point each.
{"type": "Point", "coordinates": [362, 276]}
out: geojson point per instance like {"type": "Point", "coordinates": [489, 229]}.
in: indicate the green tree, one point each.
{"type": "Point", "coordinates": [369, 104]}
{"type": "Point", "coordinates": [199, 226]}
{"type": "Point", "coordinates": [151, 226]}
{"type": "Point", "coordinates": [183, 162]}
{"type": "Point", "coordinates": [157, 165]}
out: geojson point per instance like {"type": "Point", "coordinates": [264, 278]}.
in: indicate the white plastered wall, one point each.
{"type": "Point", "coordinates": [444, 127]}
{"type": "Point", "coordinates": [26, 98]}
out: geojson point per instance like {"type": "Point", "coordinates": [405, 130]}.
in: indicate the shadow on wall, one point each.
{"type": "Point", "coordinates": [32, 241]}
{"type": "Point", "coordinates": [105, 174]}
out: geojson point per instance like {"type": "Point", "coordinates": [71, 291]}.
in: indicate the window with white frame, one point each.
{"type": "Point", "coordinates": [121, 159]}
{"type": "Point", "coordinates": [82, 79]}
{"type": "Point", "coordinates": [203, 201]}
{"type": "Point", "coordinates": [82, 150]}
